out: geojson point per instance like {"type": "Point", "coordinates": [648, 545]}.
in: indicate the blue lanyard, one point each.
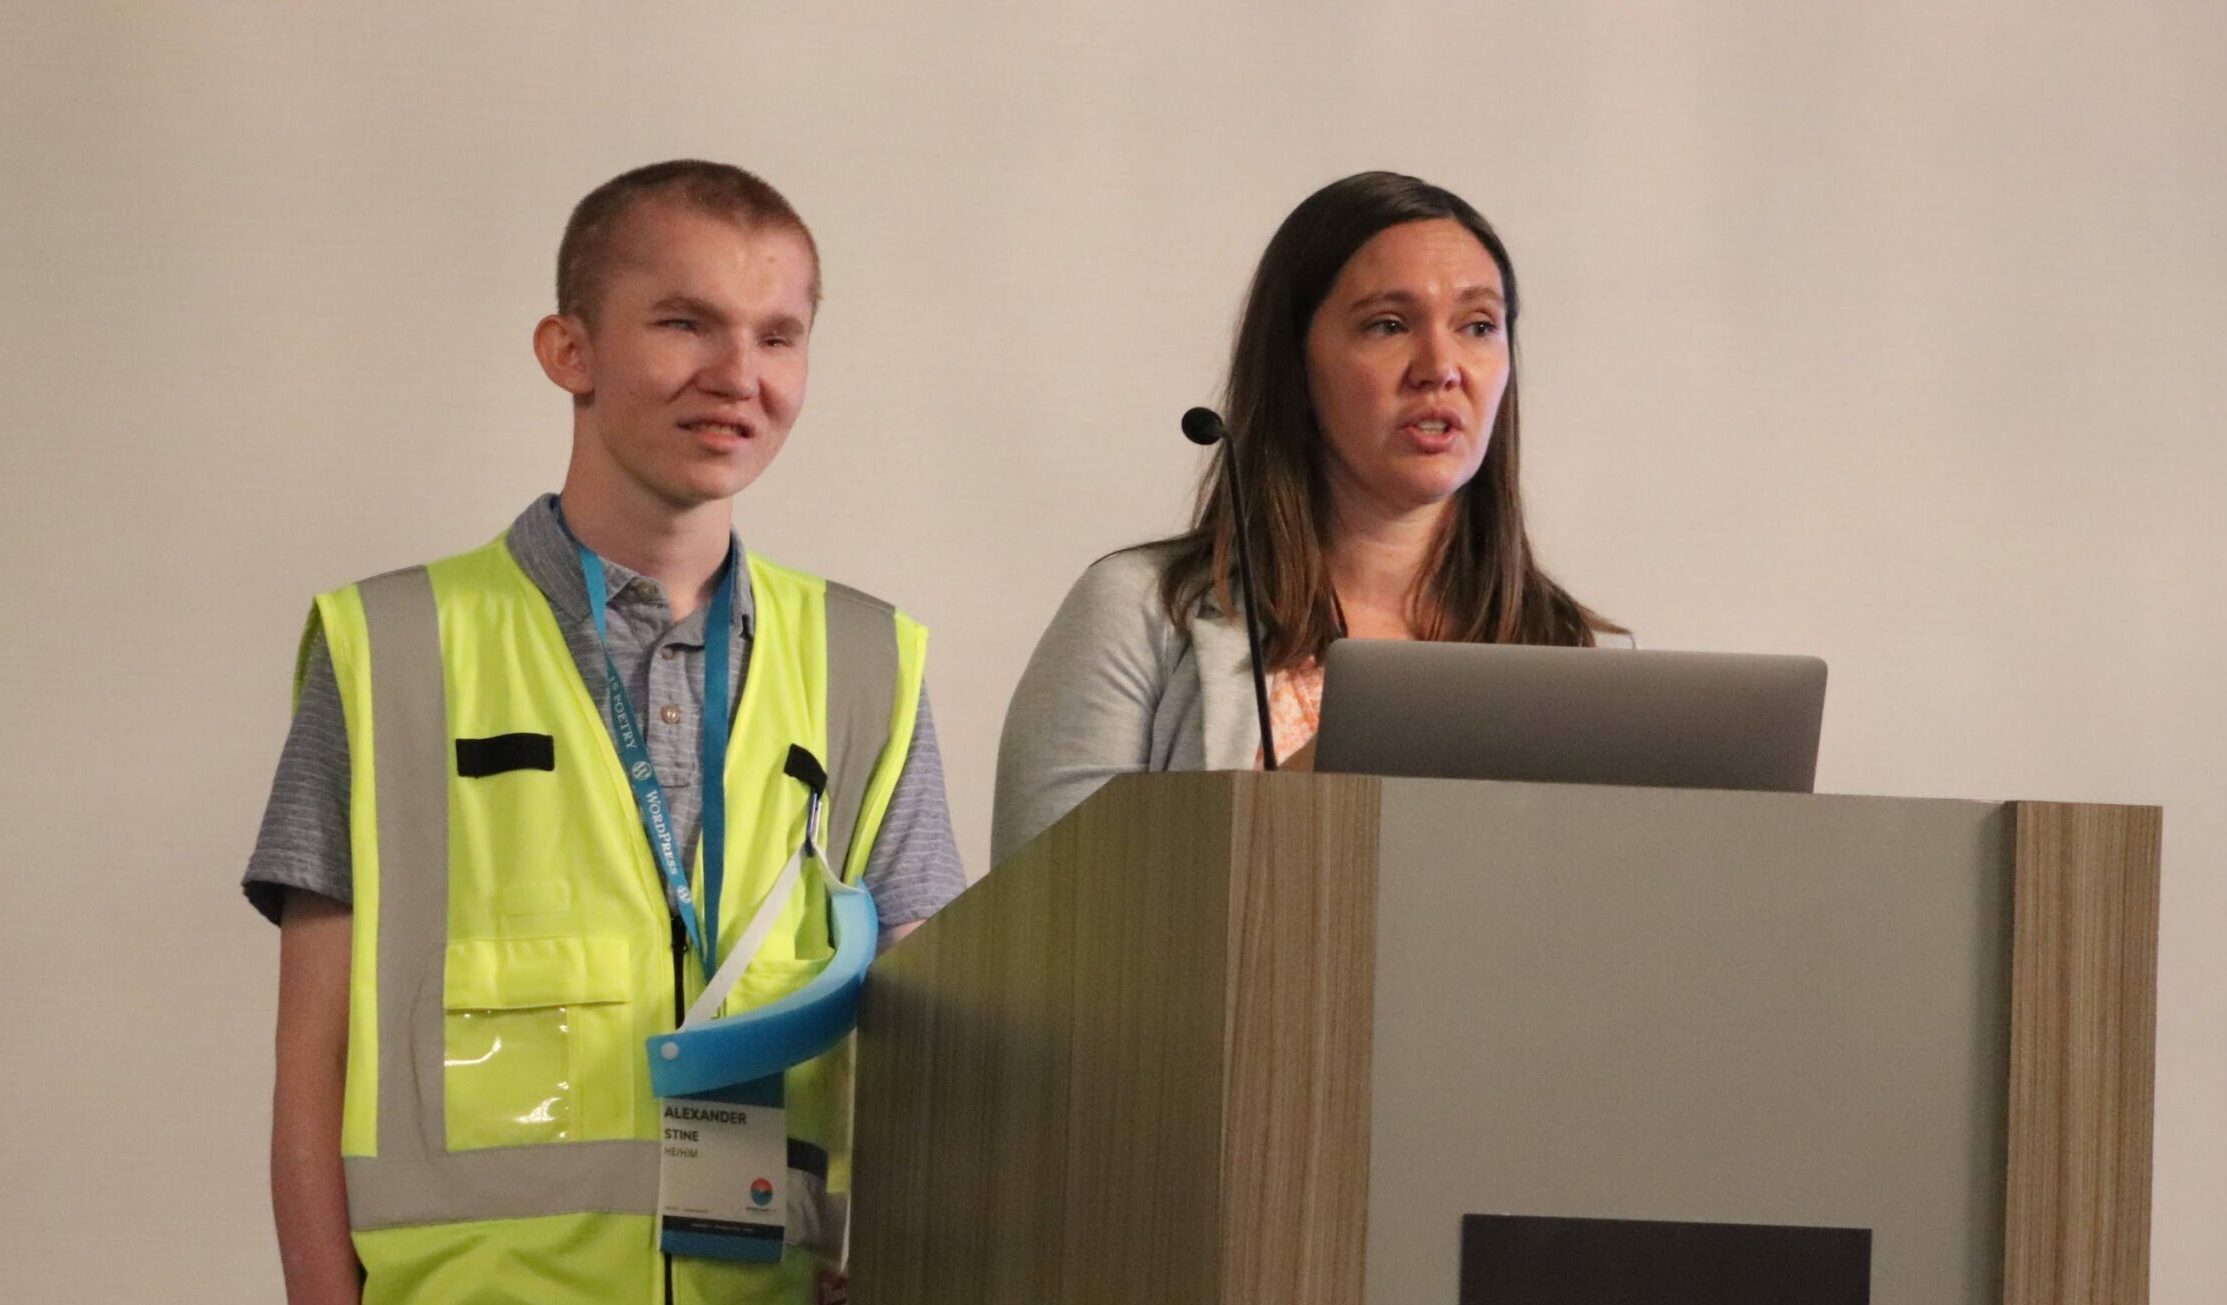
{"type": "Point", "coordinates": [702, 922]}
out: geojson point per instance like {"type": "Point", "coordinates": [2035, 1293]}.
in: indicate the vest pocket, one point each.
{"type": "Point", "coordinates": [535, 1038]}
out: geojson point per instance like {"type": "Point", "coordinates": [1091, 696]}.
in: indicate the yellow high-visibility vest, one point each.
{"type": "Point", "coordinates": [512, 944]}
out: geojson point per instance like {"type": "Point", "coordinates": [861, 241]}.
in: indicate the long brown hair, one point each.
{"type": "Point", "coordinates": [1482, 585]}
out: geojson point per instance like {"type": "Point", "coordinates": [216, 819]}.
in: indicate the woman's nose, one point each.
{"type": "Point", "coordinates": [1434, 364]}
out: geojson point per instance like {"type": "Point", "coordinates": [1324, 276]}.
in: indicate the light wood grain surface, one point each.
{"type": "Point", "coordinates": [1302, 993]}
{"type": "Point", "coordinates": [2083, 1052]}
{"type": "Point", "coordinates": [1044, 1066]}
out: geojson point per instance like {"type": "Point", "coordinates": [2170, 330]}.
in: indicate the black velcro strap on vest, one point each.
{"type": "Point", "coordinates": [806, 1158]}
{"type": "Point", "coordinates": [806, 768]}
{"type": "Point", "coordinates": [479, 758]}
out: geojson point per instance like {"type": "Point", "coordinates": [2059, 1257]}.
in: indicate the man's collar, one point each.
{"type": "Point", "coordinates": [545, 552]}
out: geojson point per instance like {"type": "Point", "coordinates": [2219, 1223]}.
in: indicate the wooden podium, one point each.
{"type": "Point", "coordinates": [1268, 1038]}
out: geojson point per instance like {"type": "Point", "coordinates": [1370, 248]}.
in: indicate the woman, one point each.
{"type": "Point", "coordinates": [1372, 409]}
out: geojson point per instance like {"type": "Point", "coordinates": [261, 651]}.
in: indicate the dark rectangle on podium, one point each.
{"type": "Point", "coordinates": [1511, 1259]}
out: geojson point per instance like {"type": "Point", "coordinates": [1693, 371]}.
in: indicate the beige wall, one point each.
{"type": "Point", "coordinates": [1888, 334]}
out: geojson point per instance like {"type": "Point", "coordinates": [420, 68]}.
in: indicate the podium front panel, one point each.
{"type": "Point", "coordinates": [1714, 1008]}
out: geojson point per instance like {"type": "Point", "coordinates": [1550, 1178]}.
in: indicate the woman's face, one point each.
{"type": "Point", "coordinates": [1407, 359]}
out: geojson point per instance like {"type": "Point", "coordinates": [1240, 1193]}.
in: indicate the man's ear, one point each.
{"type": "Point", "coordinates": [561, 345]}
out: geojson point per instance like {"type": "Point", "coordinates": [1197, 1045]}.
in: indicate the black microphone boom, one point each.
{"type": "Point", "coordinates": [1204, 426]}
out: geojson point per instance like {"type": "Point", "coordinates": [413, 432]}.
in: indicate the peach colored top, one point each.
{"type": "Point", "coordinates": [1294, 709]}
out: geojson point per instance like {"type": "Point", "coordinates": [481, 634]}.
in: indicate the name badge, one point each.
{"type": "Point", "coordinates": [723, 1178]}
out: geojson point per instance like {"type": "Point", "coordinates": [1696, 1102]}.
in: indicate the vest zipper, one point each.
{"type": "Point", "coordinates": [680, 1008]}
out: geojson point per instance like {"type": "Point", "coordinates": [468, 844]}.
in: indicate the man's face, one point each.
{"type": "Point", "coordinates": [694, 369]}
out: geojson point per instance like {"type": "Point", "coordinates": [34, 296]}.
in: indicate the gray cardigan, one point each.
{"type": "Point", "coordinates": [1114, 687]}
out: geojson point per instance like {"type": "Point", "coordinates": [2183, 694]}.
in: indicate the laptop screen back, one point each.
{"type": "Point", "coordinates": [1571, 715]}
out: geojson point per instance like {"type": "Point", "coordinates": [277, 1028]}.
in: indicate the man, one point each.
{"type": "Point", "coordinates": [479, 841]}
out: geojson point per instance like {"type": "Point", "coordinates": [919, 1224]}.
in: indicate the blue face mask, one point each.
{"type": "Point", "coordinates": [707, 1054]}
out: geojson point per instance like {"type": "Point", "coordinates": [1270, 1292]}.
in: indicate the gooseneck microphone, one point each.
{"type": "Point", "coordinates": [1203, 426]}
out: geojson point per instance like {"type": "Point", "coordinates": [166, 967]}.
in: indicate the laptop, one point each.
{"type": "Point", "coordinates": [1571, 715]}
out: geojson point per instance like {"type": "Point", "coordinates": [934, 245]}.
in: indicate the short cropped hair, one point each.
{"type": "Point", "coordinates": [721, 190]}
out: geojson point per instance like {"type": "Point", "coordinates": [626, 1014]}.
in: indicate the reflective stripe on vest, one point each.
{"type": "Point", "coordinates": [414, 1178]}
